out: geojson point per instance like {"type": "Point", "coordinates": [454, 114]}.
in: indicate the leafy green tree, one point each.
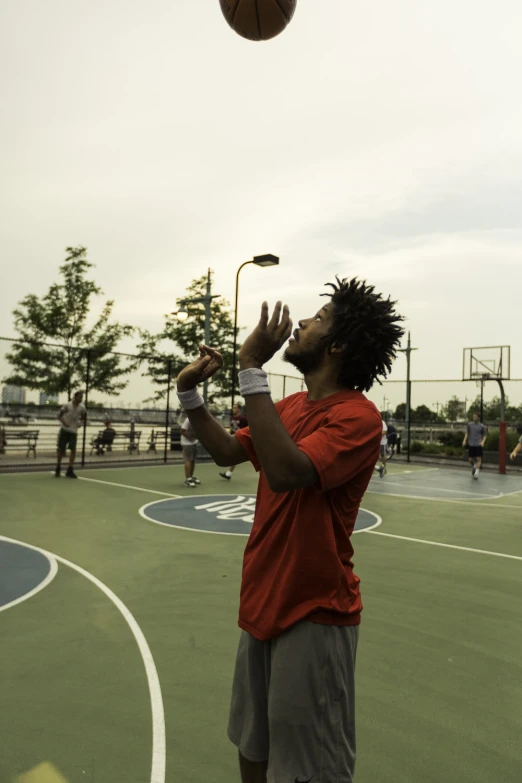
{"type": "Point", "coordinates": [513, 413]}
{"type": "Point", "coordinates": [452, 411]}
{"type": "Point", "coordinates": [400, 411]}
{"type": "Point", "coordinates": [187, 336]}
{"type": "Point", "coordinates": [60, 320]}
{"type": "Point", "coordinates": [423, 413]}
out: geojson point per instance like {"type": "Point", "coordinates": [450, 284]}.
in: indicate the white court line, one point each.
{"type": "Point", "coordinates": [372, 527]}
{"type": "Point", "coordinates": [53, 570]}
{"type": "Point", "coordinates": [440, 489]}
{"type": "Point", "coordinates": [130, 486]}
{"type": "Point", "coordinates": [447, 546]}
{"type": "Point", "coordinates": [157, 774]}
{"type": "Point", "coordinates": [445, 500]}
{"type": "Point", "coordinates": [421, 470]}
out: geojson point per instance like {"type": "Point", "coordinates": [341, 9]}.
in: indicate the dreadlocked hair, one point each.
{"type": "Point", "coordinates": [368, 329]}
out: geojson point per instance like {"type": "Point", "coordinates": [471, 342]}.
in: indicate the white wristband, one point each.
{"type": "Point", "coordinates": [190, 399]}
{"type": "Point", "coordinates": [253, 381]}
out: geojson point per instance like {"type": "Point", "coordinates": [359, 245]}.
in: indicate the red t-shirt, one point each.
{"type": "Point", "coordinates": [298, 558]}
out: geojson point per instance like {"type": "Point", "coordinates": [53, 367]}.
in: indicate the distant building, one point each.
{"type": "Point", "coordinates": [47, 399]}
{"type": "Point", "coordinates": [12, 394]}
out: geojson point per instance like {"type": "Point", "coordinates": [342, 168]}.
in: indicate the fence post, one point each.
{"type": "Point", "coordinates": [169, 376]}
{"type": "Point", "coordinates": [87, 381]}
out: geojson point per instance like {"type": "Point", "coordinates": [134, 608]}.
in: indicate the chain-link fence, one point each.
{"type": "Point", "coordinates": [132, 411]}
{"type": "Point", "coordinates": [133, 415]}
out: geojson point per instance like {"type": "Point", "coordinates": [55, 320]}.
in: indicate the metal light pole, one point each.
{"type": "Point", "coordinates": [267, 260]}
{"type": "Point", "coordinates": [408, 351]}
{"type": "Point", "coordinates": [182, 314]}
{"type": "Point", "coordinates": [502, 429]}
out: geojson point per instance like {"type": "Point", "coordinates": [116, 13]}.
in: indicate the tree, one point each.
{"type": "Point", "coordinates": [60, 318]}
{"type": "Point", "coordinates": [188, 336]}
{"type": "Point", "coordinates": [452, 411]}
{"type": "Point", "coordinates": [492, 410]}
{"type": "Point", "coordinates": [423, 413]}
{"type": "Point", "coordinates": [400, 412]}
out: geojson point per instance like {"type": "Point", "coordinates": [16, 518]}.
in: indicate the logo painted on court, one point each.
{"type": "Point", "coordinates": [225, 514]}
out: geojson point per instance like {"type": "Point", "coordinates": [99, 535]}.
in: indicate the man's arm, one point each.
{"type": "Point", "coordinates": [516, 450]}
{"type": "Point", "coordinates": [285, 466]}
{"type": "Point", "coordinates": [224, 449]}
{"type": "Point", "coordinates": [465, 438]}
{"type": "Point", "coordinates": [483, 441]}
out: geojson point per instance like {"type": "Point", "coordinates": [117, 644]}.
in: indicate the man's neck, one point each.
{"type": "Point", "coordinates": [321, 385]}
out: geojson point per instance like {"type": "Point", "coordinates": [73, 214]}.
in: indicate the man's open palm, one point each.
{"type": "Point", "coordinates": [201, 369]}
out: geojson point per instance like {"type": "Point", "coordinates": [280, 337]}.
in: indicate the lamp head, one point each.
{"type": "Point", "coordinates": [267, 260]}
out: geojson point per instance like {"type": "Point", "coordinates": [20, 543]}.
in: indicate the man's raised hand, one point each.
{"type": "Point", "coordinates": [268, 336]}
{"type": "Point", "coordinates": [205, 366]}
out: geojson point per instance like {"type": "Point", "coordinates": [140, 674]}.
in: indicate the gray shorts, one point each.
{"type": "Point", "coordinates": [190, 452]}
{"type": "Point", "coordinates": [293, 703]}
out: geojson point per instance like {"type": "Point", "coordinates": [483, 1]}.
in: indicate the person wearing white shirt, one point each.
{"type": "Point", "coordinates": [381, 465]}
{"type": "Point", "coordinates": [71, 417]}
{"type": "Point", "coordinates": [189, 444]}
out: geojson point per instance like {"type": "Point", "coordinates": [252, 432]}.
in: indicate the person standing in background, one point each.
{"type": "Point", "coordinates": [518, 447]}
{"type": "Point", "coordinates": [72, 415]}
{"type": "Point", "coordinates": [237, 422]}
{"type": "Point", "coordinates": [189, 444]}
{"type": "Point", "coordinates": [475, 438]}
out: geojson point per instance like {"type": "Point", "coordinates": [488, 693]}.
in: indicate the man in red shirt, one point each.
{"type": "Point", "coordinates": [293, 714]}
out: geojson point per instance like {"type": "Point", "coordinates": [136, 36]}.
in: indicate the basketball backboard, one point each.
{"type": "Point", "coordinates": [491, 362]}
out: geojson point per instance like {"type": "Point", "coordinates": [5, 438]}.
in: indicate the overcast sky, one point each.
{"type": "Point", "coordinates": [380, 139]}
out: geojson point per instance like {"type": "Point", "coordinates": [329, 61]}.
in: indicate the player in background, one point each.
{"type": "Point", "coordinates": [189, 444]}
{"type": "Point", "coordinates": [72, 415]}
{"type": "Point", "coordinates": [381, 465]}
{"type": "Point", "coordinates": [518, 447]}
{"type": "Point", "coordinates": [238, 421]}
{"type": "Point", "coordinates": [475, 439]}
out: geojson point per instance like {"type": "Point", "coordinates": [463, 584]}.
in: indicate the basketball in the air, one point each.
{"type": "Point", "coordinates": [258, 20]}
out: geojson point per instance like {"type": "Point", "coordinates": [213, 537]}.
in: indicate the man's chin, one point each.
{"type": "Point", "coordinates": [288, 355]}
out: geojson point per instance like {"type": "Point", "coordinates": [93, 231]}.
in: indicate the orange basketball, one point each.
{"type": "Point", "coordinates": [258, 20]}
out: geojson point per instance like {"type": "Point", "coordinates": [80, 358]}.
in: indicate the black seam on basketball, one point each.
{"type": "Point", "coordinates": [258, 19]}
{"type": "Point", "coordinates": [282, 10]}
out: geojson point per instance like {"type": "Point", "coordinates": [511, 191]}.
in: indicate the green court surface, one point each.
{"type": "Point", "coordinates": [118, 645]}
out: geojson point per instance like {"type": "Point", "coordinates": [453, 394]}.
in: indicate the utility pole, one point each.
{"type": "Point", "coordinates": [408, 351]}
{"type": "Point", "coordinates": [182, 315]}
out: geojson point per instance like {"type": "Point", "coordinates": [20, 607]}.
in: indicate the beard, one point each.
{"type": "Point", "coordinates": [308, 361]}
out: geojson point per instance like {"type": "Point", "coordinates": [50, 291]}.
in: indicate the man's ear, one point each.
{"type": "Point", "coordinates": [337, 347]}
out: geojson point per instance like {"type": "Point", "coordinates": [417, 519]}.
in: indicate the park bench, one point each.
{"type": "Point", "coordinates": [157, 438]}
{"type": "Point", "coordinates": [130, 441]}
{"type": "Point", "coordinates": [28, 438]}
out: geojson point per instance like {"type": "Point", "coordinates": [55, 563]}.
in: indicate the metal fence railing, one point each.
{"type": "Point", "coordinates": [136, 393]}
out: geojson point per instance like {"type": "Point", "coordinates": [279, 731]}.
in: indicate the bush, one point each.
{"type": "Point", "coordinates": [418, 447]}
{"type": "Point", "coordinates": [493, 438]}
{"type": "Point", "coordinates": [451, 438]}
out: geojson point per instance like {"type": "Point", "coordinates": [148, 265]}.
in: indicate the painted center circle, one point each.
{"type": "Point", "coordinates": [220, 513]}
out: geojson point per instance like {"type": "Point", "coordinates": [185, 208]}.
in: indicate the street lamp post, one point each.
{"type": "Point", "coordinates": [267, 260]}
{"type": "Point", "coordinates": [182, 314]}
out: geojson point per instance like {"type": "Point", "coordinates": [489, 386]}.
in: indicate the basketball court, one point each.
{"type": "Point", "coordinates": [118, 607]}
